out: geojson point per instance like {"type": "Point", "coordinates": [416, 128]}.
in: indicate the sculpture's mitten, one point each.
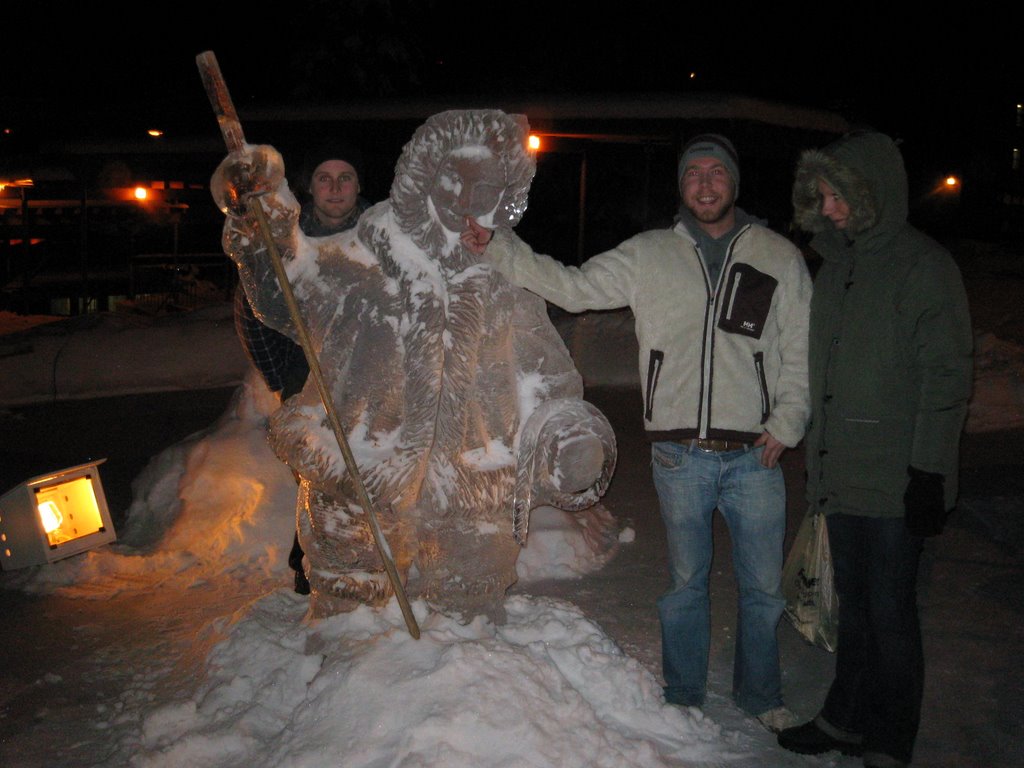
{"type": "Point", "coordinates": [253, 171]}
{"type": "Point", "coordinates": [566, 459]}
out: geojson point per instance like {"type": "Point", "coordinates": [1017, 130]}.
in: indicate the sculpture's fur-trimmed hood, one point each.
{"type": "Point", "coordinates": [504, 135]}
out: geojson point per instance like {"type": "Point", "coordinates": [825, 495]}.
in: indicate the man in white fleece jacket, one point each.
{"type": "Point", "coordinates": [721, 305]}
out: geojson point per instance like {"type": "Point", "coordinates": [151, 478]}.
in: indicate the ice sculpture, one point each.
{"type": "Point", "coordinates": [459, 399]}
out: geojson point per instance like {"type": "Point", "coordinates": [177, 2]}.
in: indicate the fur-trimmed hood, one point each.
{"type": "Point", "coordinates": [866, 168]}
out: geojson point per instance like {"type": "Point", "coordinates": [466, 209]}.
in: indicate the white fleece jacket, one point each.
{"type": "Point", "coordinates": [726, 361]}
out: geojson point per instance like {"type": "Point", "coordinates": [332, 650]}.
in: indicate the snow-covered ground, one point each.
{"type": "Point", "coordinates": [182, 644]}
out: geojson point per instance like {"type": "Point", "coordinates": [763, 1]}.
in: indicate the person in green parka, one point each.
{"type": "Point", "coordinates": [890, 360]}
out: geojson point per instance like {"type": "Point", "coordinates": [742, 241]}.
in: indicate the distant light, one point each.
{"type": "Point", "coordinates": [533, 142]}
{"type": "Point", "coordinates": [948, 185]}
{"type": "Point", "coordinates": [4, 183]}
{"type": "Point", "coordinates": [141, 193]}
{"type": "Point", "coordinates": [155, 132]}
{"type": "Point", "coordinates": [8, 131]}
{"type": "Point", "coordinates": [693, 75]}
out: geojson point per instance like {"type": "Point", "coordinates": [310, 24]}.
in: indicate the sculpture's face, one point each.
{"type": "Point", "coordinates": [470, 182]}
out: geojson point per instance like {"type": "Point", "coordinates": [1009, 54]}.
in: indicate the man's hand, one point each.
{"type": "Point", "coordinates": [475, 237]}
{"type": "Point", "coordinates": [772, 450]}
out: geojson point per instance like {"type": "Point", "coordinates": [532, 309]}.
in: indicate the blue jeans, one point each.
{"type": "Point", "coordinates": [691, 484]}
{"type": "Point", "coordinates": [879, 659]}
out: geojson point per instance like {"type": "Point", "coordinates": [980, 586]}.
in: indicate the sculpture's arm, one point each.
{"type": "Point", "coordinates": [566, 447]}
{"type": "Point", "coordinates": [258, 171]}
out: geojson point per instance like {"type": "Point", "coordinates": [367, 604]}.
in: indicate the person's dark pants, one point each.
{"type": "Point", "coordinates": [282, 364]}
{"type": "Point", "coordinates": [295, 558]}
{"type": "Point", "coordinates": [879, 660]}
{"type": "Point", "coordinates": [296, 555]}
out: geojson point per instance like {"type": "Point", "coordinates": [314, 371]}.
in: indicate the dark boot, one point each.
{"type": "Point", "coordinates": [817, 736]}
{"type": "Point", "coordinates": [880, 760]}
{"type": "Point", "coordinates": [295, 561]}
{"type": "Point", "coordinates": [301, 583]}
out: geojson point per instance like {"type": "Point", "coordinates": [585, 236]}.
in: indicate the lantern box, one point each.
{"type": "Point", "coordinates": [54, 516]}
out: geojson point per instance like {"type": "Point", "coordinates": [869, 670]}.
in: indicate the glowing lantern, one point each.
{"type": "Point", "coordinates": [53, 516]}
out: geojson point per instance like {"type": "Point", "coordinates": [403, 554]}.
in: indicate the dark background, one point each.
{"type": "Point", "coordinates": [80, 87]}
{"type": "Point", "coordinates": [938, 76]}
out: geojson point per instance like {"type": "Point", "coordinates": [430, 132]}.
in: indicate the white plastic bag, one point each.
{"type": "Point", "coordinates": [812, 605]}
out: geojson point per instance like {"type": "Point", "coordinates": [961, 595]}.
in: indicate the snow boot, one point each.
{"type": "Point", "coordinates": [819, 735]}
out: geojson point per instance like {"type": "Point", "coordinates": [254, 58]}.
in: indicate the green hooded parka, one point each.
{"type": "Point", "coordinates": [891, 344]}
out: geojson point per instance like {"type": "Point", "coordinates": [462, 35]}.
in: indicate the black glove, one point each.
{"type": "Point", "coordinates": [925, 503]}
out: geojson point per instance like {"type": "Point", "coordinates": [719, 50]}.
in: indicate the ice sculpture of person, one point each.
{"type": "Point", "coordinates": [459, 400]}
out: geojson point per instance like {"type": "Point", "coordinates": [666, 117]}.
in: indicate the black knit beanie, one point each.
{"type": "Point", "coordinates": [330, 149]}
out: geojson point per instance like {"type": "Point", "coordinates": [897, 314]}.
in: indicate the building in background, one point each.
{"type": "Point", "coordinates": [76, 238]}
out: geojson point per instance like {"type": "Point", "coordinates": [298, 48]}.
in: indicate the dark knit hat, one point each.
{"type": "Point", "coordinates": [716, 146]}
{"type": "Point", "coordinates": [330, 149]}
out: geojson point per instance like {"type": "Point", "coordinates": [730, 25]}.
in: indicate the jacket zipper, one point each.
{"type": "Point", "coordinates": [762, 386]}
{"type": "Point", "coordinates": [708, 347]}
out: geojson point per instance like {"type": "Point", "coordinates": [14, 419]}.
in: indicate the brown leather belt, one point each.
{"type": "Point", "coordinates": [719, 446]}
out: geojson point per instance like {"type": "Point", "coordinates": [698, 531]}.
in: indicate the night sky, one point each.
{"type": "Point", "coordinates": [136, 64]}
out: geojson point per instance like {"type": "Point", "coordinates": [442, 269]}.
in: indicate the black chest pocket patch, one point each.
{"type": "Point", "coordinates": [746, 300]}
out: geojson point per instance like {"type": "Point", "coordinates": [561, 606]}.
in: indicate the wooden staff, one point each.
{"type": "Point", "coordinates": [231, 129]}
